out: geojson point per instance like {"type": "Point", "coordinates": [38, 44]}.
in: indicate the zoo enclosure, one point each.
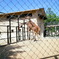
{"type": "Point", "coordinates": [49, 45]}
{"type": "Point", "coordinates": [9, 32]}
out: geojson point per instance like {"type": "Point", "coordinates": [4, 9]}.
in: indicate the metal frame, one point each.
{"type": "Point", "coordinates": [18, 37]}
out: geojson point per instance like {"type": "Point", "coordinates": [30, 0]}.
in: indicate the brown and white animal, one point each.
{"type": "Point", "coordinates": [32, 26]}
{"type": "Point", "coordinates": [35, 28]}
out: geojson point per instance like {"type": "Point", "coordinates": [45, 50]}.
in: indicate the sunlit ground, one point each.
{"type": "Point", "coordinates": [31, 49]}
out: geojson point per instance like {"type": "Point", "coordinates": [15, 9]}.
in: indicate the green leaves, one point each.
{"type": "Point", "coordinates": [52, 18]}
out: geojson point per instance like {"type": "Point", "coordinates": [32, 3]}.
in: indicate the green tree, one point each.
{"type": "Point", "coordinates": [52, 18]}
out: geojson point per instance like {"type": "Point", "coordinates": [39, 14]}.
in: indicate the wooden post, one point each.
{"type": "Point", "coordinates": [10, 28]}
{"type": "Point", "coordinates": [8, 37]}
{"type": "Point", "coordinates": [27, 33]}
{"type": "Point", "coordinates": [55, 30]}
{"type": "Point", "coordinates": [18, 29]}
{"type": "Point", "coordinates": [24, 30]}
{"type": "Point", "coordinates": [16, 33]}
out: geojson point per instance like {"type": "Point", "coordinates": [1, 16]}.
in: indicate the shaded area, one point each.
{"type": "Point", "coordinates": [32, 50]}
{"type": "Point", "coordinates": [54, 56]}
{"type": "Point", "coordinates": [6, 52]}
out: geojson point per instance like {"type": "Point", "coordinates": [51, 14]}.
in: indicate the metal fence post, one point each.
{"type": "Point", "coordinates": [10, 28]}
{"type": "Point", "coordinates": [8, 37]}
{"type": "Point", "coordinates": [17, 35]}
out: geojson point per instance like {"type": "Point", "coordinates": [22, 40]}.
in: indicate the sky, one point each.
{"type": "Point", "coordinates": [7, 6]}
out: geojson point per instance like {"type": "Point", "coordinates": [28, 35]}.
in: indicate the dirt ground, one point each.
{"type": "Point", "coordinates": [42, 49]}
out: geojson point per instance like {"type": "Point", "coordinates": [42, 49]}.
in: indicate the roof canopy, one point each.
{"type": "Point", "coordinates": [22, 13]}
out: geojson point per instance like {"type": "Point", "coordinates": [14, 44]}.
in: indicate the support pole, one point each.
{"type": "Point", "coordinates": [10, 28]}
{"type": "Point", "coordinates": [18, 29]}
{"type": "Point", "coordinates": [9, 31]}
{"type": "Point", "coordinates": [27, 33]}
{"type": "Point", "coordinates": [24, 30]}
{"type": "Point", "coordinates": [8, 37]}
{"type": "Point", "coordinates": [55, 30]}
{"type": "Point", "coordinates": [17, 38]}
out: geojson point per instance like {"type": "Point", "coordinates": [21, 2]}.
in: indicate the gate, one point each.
{"type": "Point", "coordinates": [11, 34]}
{"type": "Point", "coordinates": [16, 34]}
{"type": "Point", "coordinates": [8, 35]}
{"type": "Point", "coordinates": [22, 33]}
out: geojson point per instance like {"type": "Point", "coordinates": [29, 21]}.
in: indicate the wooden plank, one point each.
{"type": "Point", "coordinates": [52, 25]}
{"type": "Point", "coordinates": [22, 12]}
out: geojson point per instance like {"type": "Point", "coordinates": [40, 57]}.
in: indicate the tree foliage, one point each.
{"type": "Point", "coordinates": [52, 18]}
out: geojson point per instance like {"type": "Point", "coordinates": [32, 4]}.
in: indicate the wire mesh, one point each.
{"type": "Point", "coordinates": [22, 44]}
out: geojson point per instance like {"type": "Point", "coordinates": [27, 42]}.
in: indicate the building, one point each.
{"type": "Point", "coordinates": [12, 20]}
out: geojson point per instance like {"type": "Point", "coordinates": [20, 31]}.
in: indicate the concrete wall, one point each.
{"type": "Point", "coordinates": [35, 18]}
{"type": "Point", "coordinates": [39, 22]}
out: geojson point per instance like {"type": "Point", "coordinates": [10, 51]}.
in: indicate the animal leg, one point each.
{"type": "Point", "coordinates": [38, 37]}
{"type": "Point", "coordinates": [35, 37]}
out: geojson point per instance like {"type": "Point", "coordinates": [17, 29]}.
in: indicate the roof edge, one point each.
{"type": "Point", "coordinates": [21, 12]}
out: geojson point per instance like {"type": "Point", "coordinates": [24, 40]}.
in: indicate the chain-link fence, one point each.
{"type": "Point", "coordinates": [29, 29]}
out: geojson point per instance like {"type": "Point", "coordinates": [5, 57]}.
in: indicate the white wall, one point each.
{"type": "Point", "coordinates": [34, 18]}
{"type": "Point", "coordinates": [41, 25]}
{"type": "Point", "coordinates": [39, 22]}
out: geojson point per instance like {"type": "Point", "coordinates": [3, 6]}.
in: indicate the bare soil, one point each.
{"type": "Point", "coordinates": [30, 49]}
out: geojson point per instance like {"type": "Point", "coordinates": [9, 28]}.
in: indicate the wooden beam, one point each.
{"type": "Point", "coordinates": [21, 12]}
{"type": "Point", "coordinates": [52, 25]}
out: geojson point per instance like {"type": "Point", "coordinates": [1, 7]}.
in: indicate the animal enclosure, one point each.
{"type": "Point", "coordinates": [52, 30]}
{"type": "Point", "coordinates": [29, 29]}
{"type": "Point", "coordinates": [16, 25]}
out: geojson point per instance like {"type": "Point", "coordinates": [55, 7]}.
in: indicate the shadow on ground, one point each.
{"type": "Point", "coordinates": [8, 51]}
{"type": "Point", "coordinates": [51, 57]}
